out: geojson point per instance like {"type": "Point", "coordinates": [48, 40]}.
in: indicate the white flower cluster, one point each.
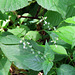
{"type": "Point", "coordinates": [54, 41]}
{"type": "Point", "coordinates": [46, 23]}
{"type": "Point", "coordinates": [27, 45]}
{"type": "Point", "coordinates": [24, 43]}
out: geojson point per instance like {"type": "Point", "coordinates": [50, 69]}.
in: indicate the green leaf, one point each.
{"type": "Point", "coordinates": [58, 49]}
{"type": "Point", "coordinates": [24, 19]}
{"type": "Point", "coordinates": [12, 5]}
{"type": "Point", "coordinates": [66, 69]}
{"type": "Point", "coordinates": [33, 35]}
{"type": "Point", "coordinates": [3, 16]}
{"type": "Point", "coordinates": [48, 53]}
{"type": "Point", "coordinates": [12, 16]}
{"type": "Point", "coordinates": [16, 49]}
{"type": "Point", "coordinates": [31, 61]}
{"type": "Point", "coordinates": [17, 31]}
{"type": "Point", "coordinates": [53, 18]}
{"type": "Point", "coordinates": [4, 66]}
{"type": "Point", "coordinates": [56, 5]}
{"type": "Point", "coordinates": [10, 39]}
{"type": "Point", "coordinates": [66, 33]}
{"type": "Point", "coordinates": [47, 66]}
{"type": "Point", "coordinates": [12, 50]}
{"type": "Point", "coordinates": [70, 20]}
{"type": "Point", "coordinates": [57, 52]}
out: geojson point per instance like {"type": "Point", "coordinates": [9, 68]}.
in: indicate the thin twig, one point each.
{"type": "Point", "coordinates": [20, 16]}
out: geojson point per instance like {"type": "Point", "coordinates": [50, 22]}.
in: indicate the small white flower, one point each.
{"type": "Point", "coordinates": [45, 56]}
{"type": "Point", "coordinates": [28, 43]}
{"type": "Point", "coordinates": [30, 46]}
{"type": "Point", "coordinates": [57, 39]}
{"type": "Point", "coordinates": [56, 46]}
{"type": "Point", "coordinates": [41, 57]}
{"type": "Point", "coordinates": [51, 41]}
{"type": "Point", "coordinates": [24, 43]}
{"type": "Point", "coordinates": [45, 22]}
{"type": "Point", "coordinates": [41, 20]}
{"type": "Point", "coordinates": [45, 17]}
{"type": "Point", "coordinates": [25, 23]}
{"type": "Point", "coordinates": [48, 26]}
{"type": "Point", "coordinates": [23, 38]}
{"type": "Point", "coordinates": [54, 41]}
{"type": "Point", "coordinates": [48, 22]}
{"type": "Point", "coordinates": [24, 47]}
{"type": "Point", "coordinates": [33, 52]}
{"type": "Point", "coordinates": [20, 41]}
{"type": "Point", "coordinates": [39, 52]}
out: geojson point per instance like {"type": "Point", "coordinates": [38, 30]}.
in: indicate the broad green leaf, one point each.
{"type": "Point", "coordinates": [56, 5]}
{"type": "Point", "coordinates": [18, 31]}
{"type": "Point", "coordinates": [66, 69]}
{"type": "Point", "coordinates": [53, 18]}
{"type": "Point", "coordinates": [19, 64]}
{"type": "Point", "coordinates": [25, 27]}
{"type": "Point", "coordinates": [12, 50]}
{"type": "Point", "coordinates": [66, 33]}
{"type": "Point", "coordinates": [58, 52]}
{"type": "Point", "coordinates": [5, 34]}
{"type": "Point", "coordinates": [58, 49]}
{"type": "Point", "coordinates": [3, 16]}
{"type": "Point", "coordinates": [48, 53]}
{"type": "Point", "coordinates": [31, 61]}
{"type": "Point", "coordinates": [74, 56]}
{"type": "Point", "coordinates": [33, 35]}
{"type": "Point", "coordinates": [4, 66]}
{"type": "Point", "coordinates": [12, 5]}
{"type": "Point", "coordinates": [16, 49]}
{"type": "Point", "coordinates": [70, 20]}
{"type": "Point", "coordinates": [47, 66]}
{"type": "Point", "coordinates": [10, 39]}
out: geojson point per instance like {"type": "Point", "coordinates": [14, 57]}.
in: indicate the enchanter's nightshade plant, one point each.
{"type": "Point", "coordinates": [37, 37]}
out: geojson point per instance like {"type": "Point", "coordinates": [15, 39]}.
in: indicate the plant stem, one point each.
{"type": "Point", "coordinates": [20, 16]}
